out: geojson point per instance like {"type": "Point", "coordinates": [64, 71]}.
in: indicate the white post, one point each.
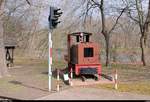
{"type": "Point", "coordinates": [71, 74]}
{"type": "Point", "coordinates": [116, 77]}
{"type": "Point", "coordinates": [50, 62]}
{"type": "Point", "coordinates": [71, 77]}
{"type": "Point", "coordinates": [57, 79]}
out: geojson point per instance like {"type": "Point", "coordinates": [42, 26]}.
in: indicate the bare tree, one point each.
{"type": "Point", "coordinates": [105, 31]}
{"type": "Point", "coordinates": [143, 23]}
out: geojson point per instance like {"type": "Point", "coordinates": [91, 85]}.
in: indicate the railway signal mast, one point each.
{"type": "Point", "coordinates": [53, 22]}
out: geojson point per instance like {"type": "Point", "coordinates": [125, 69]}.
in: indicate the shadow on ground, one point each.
{"type": "Point", "coordinates": [65, 71]}
{"type": "Point", "coordinates": [25, 85]}
{"type": "Point", "coordinates": [7, 98]}
{"type": "Point", "coordinates": [54, 73]}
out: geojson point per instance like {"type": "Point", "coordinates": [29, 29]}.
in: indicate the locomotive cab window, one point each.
{"type": "Point", "coordinates": [88, 52]}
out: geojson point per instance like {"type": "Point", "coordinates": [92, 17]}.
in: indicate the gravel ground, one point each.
{"type": "Point", "coordinates": [84, 93]}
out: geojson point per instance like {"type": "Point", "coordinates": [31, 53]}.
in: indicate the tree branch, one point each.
{"type": "Point", "coordinates": [28, 2]}
{"type": "Point", "coordinates": [130, 16]}
{"type": "Point", "coordinates": [96, 3]}
{"type": "Point", "coordinates": [88, 8]}
{"type": "Point", "coordinates": [123, 10]}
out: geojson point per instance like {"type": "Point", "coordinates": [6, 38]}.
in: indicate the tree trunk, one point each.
{"type": "Point", "coordinates": [107, 49]}
{"type": "Point", "coordinates": [142, 45]}
{"type": "Point", "coordinates": [3, 68]}
{"type": "Point", "coordinates": [144, 34]}
{"type": "Point", "coordinates": [105, 32]}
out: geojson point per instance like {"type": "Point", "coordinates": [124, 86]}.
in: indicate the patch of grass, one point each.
{"type": "Point", "coordinates": [59, 64]}
{"type": "Point", "coordinates": [122, 50]}
{"type": "Point", "coordinates": [29, 61]}
{"type": "Point", "coordinates": [128, 73]}
{"type": "Point", "coordinates": [132, 78]}
{"type": "Point", "coordinates": [41, 77]}
{"type": "Point", "coordinates": [137, 87]}
{"type": "Point", "coordinates": [40, 62]}
{"type": "Point", "coordinates": [5, 84]}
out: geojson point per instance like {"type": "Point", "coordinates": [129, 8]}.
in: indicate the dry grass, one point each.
{"type": "Point", "coordinates": [135, 87]}
{"type": "Point", "coordinates": [39, 62]}
{"type": "Point", "coordinates": [131, 78]}
{"type": "Point", "coordinates": [129, 73]}
{"type": "Point", "coordinates": [6, 85]}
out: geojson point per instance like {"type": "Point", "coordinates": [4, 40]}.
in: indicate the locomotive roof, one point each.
{"type": "Point", "coordinates": [78, 33]}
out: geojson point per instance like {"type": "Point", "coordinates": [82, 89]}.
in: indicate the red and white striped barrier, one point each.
{"type": "Point", "coordinates": [58, 79]}
{"type": "Point", "coordinates": [50, 62]}
{"type": "Point", "coordinates": [67, 78]}
{"type": "Point", "coordinates": [71, 77]}
{"type": "Point", "coordinates": [116, 77]}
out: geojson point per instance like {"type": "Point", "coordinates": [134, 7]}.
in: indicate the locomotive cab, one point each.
{"type": "Point", "coordinates": [83, 54]}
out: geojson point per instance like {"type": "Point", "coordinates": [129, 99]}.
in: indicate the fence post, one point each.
{"type": "Point", "coordinates": [116, 77]}
{"type": "Point", "coordinates": [57, 79]}
{"type": "Point", "coordinates": [71, 77]}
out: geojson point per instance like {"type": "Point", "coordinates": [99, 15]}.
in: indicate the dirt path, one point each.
{"type": "Point", "coordinates": [85, 93]}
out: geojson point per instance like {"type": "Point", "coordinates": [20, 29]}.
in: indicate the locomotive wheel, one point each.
{"type": "Point", "coordinates": [96, 77]}
{"type": "Point", "coordinates": [83, 78]}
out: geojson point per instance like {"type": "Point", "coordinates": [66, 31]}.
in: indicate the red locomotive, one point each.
{"type": "Point", "coordinates": [83, 55]}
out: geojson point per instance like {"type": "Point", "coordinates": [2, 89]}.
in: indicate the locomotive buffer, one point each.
{"type": "Point", "coordinates": [83, 55]}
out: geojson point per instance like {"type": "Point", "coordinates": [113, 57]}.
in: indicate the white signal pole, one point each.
{"type": "Point", "coordinates": [52, 25]}
{"type": "Point", "coordinates": [50, 61]}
